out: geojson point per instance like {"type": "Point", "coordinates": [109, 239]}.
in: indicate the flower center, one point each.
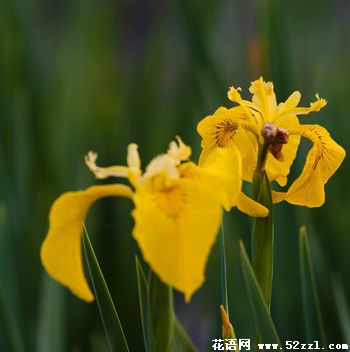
{"type": "Point", "coordinates": [224, 132]}
{"type": "Point", "coordinates": [171, 201]}
{"type": "Point", "coordinates": [274, 138]}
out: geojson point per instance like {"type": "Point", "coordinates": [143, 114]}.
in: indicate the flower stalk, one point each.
{"type": "Point", "coordinates": [263, 231]}
{"type": "Point", "coordinates": [161, 314]}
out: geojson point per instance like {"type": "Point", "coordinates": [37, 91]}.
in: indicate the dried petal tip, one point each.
{"type": "Point", "coordinates": [227, 329]}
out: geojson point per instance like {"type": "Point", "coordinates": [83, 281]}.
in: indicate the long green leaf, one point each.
{"type": "Point", "coordinates": [223, 269]}
{"type": "Point", "coordinates": [10, 326]}
{"type": "Point", "coordinates": [51, 317]}
{"type": "Point", "coordinates": [265, 327]}
{"type": "Point", "coordinates": [8, 322]}
{"type": "Point", "coordinates": [143, 299]}
{"type": "Point", "coordinates": [161, 314]}
{"type": "Point", "coordinates": [311, 306]}
{"type": "Point", "coordinates": [182, 342]}
{"type": "Point", "coordinates": [342, 307]}
{"type": "Point", "coordinates": [263, 237]}
{"type": "Point", "coordinates": [113, 328]}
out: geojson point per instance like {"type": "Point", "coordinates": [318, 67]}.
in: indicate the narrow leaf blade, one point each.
{"type": "Point", "coordinates": [311, 306]}
{"type": "Point", "coordinates": [223, 269]}
{"type": "Point", "coordinates": [342, 307]}
{"type": "Point", "coordinates": [161, 314]}
{"type": "Point", "coordinates": [182, 341]}
{"type": "Point", "coordinates": [263, 237]}
{"type": "Point", "coordinates": [265, 327]}
{"type": "Point", "coordinates": [113, 328]}
{"type": "Point", "coordinates": [143, 299]}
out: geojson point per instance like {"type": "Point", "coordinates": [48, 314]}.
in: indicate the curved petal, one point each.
{"type": "Point", "coordinates": [176, 229]}
{"type": "Point", "coordinates": [323, 159]}
{"type": "Point", "coordinates": [278, 169]}
{"type": "Point", "coordinates": [249, 206]}
{"type": "Point", "coordinates": [290, 107]}
{"type": "Point", "coordinates": [221, 173]}
{"type": "Point", "coordinates": [230, 128]}
{"type": "Point", "coordinates": [61, 250]}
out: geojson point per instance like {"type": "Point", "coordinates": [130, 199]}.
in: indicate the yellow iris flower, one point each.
{"type": "Point", "coordinates": [260, 124]}
{"type": "Point", "coordinates": [178, 211]}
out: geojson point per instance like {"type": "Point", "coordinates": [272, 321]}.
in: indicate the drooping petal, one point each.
{"type": "Point", "coordinates": [176, 229]}
{"type": "Point", "coordinates": [249, 206]}
{"type": "Point", "coordinates": [230, 128]}
{"type": "Point", "coordinates": [61, 250]}
{"type": "Point", "coordinates": [323, 159]}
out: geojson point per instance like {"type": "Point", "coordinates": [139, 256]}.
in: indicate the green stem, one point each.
{"type": "Point", "coordinates": [161, 313]}
{"type": "Point", "coordinates": [263, 234]}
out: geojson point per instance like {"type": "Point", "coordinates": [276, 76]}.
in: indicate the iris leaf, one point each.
{"type": "Point", "coordinates": [223, 267]}
{"type": "Point", "coordinates": [182, 341]}
{"type": "Point", "coordinates": [161, 314]}
{"type": "Point", "coordinates": [265, 327]}
{"type": "Point", "coordinates": [342, 307]}
{"type": "Point", "coordinates": [311, 306]}
{"type": "Point", "coordinates": [143, 299]}
{"type": "Point", "coordinates": [113, 328]}
{"type": "Point", "coordinates": [263, 237]}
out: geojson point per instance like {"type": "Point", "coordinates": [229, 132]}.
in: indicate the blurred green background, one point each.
{"type": "Point", "coordinates": [95, 75]}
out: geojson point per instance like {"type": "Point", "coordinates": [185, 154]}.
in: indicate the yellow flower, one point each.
{"type": "Point", "coordinates": [178, 211]}
{"type": "Point", "coordinates": [262, 126]}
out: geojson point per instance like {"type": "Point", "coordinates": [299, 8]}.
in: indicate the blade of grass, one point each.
{"type": "Point", "coordinates": [161, 314]}
{"type": "Point", "coordinates": [10, 325]}
{"type": "Point", "coordinates": [51, 322]}
{"type": "Point", "coordinates": [342, 307]}
{"type": "Point", "coordinates": [143, 299]}
{"type": "Point", "coordinates": [311, 306]}
{"type": "Point", "coordinates": [265, 327]}
{"type": "Point", "coordinates": [182, 341]}
{"type": "Point", "coordinates": [113, 328]}
{"type": "Point", "coordinates": [7, 318]}
{"type": "Point", "coordinates": [263, 237]}
{"type": "Point", "coordinates": [223, 270]}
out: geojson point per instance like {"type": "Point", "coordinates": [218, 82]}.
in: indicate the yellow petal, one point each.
{"type": "Point", "coordinates": [230, 128]}
{"type": "Point", "coordinates": [251, 207]}
{"type": "Point", "coordinates": [264, 97]}
{"type": "Point", "coordinates": [323, 159]}
{"type": "Point", "coordinates": [221, 173]}
{"type": "Point", "coordinates": [176, 230]}
{"type": "Point", "coordinates": [279, 169]}
{"type": "Point", "coordinates": [290, 107]}
{"type": "Point", "coordinates": [179, 151]}
{"type": "Point", "coordinates": [104, 172]}
{"type": "Point", "coordinates": [61, 249]}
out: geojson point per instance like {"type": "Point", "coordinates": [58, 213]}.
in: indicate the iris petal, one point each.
{"type": "Point", "coordinates": [322, 161]}
{"type": "Point", "coordinates": [176, 229]}
{"type": "Point", "coordinates": [61, 249]}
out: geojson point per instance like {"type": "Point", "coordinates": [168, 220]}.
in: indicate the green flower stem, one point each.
{"type": "Point", "coordinates": [263, 235]}
{"type": "Point", "coordinates": [161, 314]}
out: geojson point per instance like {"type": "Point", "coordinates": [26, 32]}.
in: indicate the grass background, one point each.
{"type": "Point", "coordinates": [95, 75]}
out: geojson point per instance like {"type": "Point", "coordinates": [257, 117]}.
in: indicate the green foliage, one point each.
{"type": "Point", "coordinates": [111, 323]}
{"type": "Point", "coordinates": [264, 325]}
{"type": "Point", "coordinates": [314, 325]}
{"type": "Point", "coordinates": [82, 75]}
